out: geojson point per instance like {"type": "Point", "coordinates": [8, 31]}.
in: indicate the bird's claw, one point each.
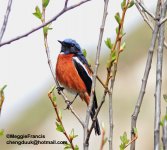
{"type": "Point", "coordinates": [69, 103]}
{"type": "Point", "coordinates": [59, 89]}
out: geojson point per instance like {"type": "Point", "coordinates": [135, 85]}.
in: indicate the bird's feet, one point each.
{"type": "Point", "coordinates": [69, 103]}
{"type": "Point", "coordinates": [59, 89]}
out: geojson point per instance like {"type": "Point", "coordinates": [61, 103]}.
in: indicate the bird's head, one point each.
{"type": "Point", "coordinates": [70, 46]}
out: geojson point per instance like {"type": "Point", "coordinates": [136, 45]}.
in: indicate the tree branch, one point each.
{"type": "Point", "coordinates": [86, 142]}
{"type": "Point", "coordinates": [95, 117]}
{"type": "Point", "coordinates": [103, 138]}
{"type": "Point", "coordinates": [5, 20]}
{"type": "Point", "coordinates": [51, 68]}
{"type": "Point", "coordinates": [164, 132]}
{"type": "Point", "coordinates": [147, 20]}
{"type": "Point", "coordinates": [145, 77]}
{"type": "Point", "coordinates": [112, 73]}
{"type": "Point", "coordinates": [145, 9]}
{"type": "Point", "coordinates": [65, 9]}
{"type": "Point", "coordinates": [59, 119]}
{"type": "Point", "coordinates": [163, 21]}
{"type": "Point", "coordinates": [158, 87]}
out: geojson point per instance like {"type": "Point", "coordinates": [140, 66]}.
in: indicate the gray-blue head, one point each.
{"type": "Point", "coordinates": [70, 46]}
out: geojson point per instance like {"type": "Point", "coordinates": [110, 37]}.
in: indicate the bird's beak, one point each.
{"type": "Point", "coordinates": [60, 42]}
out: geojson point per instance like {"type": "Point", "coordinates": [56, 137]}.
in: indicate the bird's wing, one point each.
{"type": "Point", "coordinates": [83, 73]}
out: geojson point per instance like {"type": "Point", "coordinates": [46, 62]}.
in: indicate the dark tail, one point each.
{"type": "Point", "coordinates": [92, 113]}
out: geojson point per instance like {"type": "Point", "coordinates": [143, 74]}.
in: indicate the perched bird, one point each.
{"type": "Point", "coordinates": [73, 73]}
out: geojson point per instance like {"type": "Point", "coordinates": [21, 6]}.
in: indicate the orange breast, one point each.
{"type": "Point", "coordinates": [67, 75]}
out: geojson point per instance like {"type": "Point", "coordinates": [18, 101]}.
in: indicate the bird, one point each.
{"type": "Point", "coordinates": [73, 73]}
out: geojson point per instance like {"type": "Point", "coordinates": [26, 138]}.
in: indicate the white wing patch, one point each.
{"type": "Point", "coordinates": [78, 61]}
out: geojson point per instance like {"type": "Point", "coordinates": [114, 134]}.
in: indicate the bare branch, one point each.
{"type": "Point", "coordinates": [44, 24]}
{"type": "Point", "coordinates": [66, 3]}
{"type": "Point", "coordinates": [158, 87]}
{"type": "Point", "coordinates": [163, 21]}
{"type": "Point", "coordinates": [164, 132]}
{"type": "Point", "coordinates": [147, 20]}
{"type": "Point", "coordinates": [145, 9]}
{"type": "Point", "coordinates": [145, 77]}
{"type": "Point", "coordinates": [5, 20]}
{"type": "Point", "coordinates": [95, 117]}
{"type": "Point", "coordinates": [86, 142]}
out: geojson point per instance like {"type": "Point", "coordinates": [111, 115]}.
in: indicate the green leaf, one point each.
{"type": "Point", "coordinates": [118, 18]}
{"type": "Point", "coordinates": [123, 4]}
{"type": "Point", "coordinates": [122, 32]}
{"type": "Point", "coordinates": [124, 138]}
{"type": "Point", "coordinates": [124, 141]}
{"type": "Point", "coordinates": [122, 146]}
{"type": "Point", "coordinates": [135, 130]}
{"type": "Point", "coordinates": [84, 52]}
{"type": "Point", "coordinates": [46, 29]}
{"type": "Point", "coordinates": [45, 3]}
{"type": "Point", "coordinates": [123, 46]}
{"type": "Point", "coordinates": [163, 120]}
{"type": "Point", "coordinates": [1, 132]}
{"type": "Point", "coordinates": [165, 97]}
{"type": "Point", "coordinates": [131, 3]}
{"type": "Point", "coordinates": [37, 13]}
{"type": "Point", "coordinates": [111, 59]}
{"type": "Point", "coordinates": [2, 89]}
{"type": "Point", "coordinates": [117, 29]}
{"type": "Point", "coordinates": [72, 135]}
{"type": "Point", "coordinates": [54, 98]}
{"type": "Point", "coordinates": [166, 117]}
{"type": "Point", "coordinates": [76, 147]}
{"type": "Point", "coordinates": [67, 146]}
{"type": "Point", "coordinates": [59, 127]}
{"type": "Point", "coordinates": [162, 123]}
{"type": "Point", "coordinates": [105, 140]}
{"type": "Point", "coordinates": [108, 43]}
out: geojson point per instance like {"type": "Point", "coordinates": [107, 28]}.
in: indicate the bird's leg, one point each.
{"type": "Point", "coordinates": [74, 98]}
{"type": "Point", "coordinates": [59, 88]}
{"type": "Point", "coordinates": [70, 102]}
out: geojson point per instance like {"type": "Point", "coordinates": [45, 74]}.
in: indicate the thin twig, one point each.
{"type": "Point", "coordinates": [86, 142]}
{"type": "Point", "coordinates": [145, 9]}
{"type": "Point", "coordinates": [145, 78]}
{"type": "Point", "coordinates": [95, 117]}
{"type": "Point", "coordinates": [52, 72]}
{"type": "Point", "coordinates": [65, 9]}
{"type": "Point", "coordinates": [117, 45]}
{"type": "Point", "coordinates": [158, 87]}
{"type": "Point", "coordinates": [147, 20]}
{"type": "Point", "coordinates": [5, 20]}
{"type": "Point", "coordinates": [103, 138]}
{"type": "Point", "coordinates": [98, 78]}
{"type": "Point", "coordinates": [164, 132]}
{"type": "Point", "coordinates": [134, 139]}
{"type": "Point", "coordinates": [163, 21]}
{"type": "Point", "coordinates": [59, 119]}
{"type": "Point", "coordinates": [65, 4]}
